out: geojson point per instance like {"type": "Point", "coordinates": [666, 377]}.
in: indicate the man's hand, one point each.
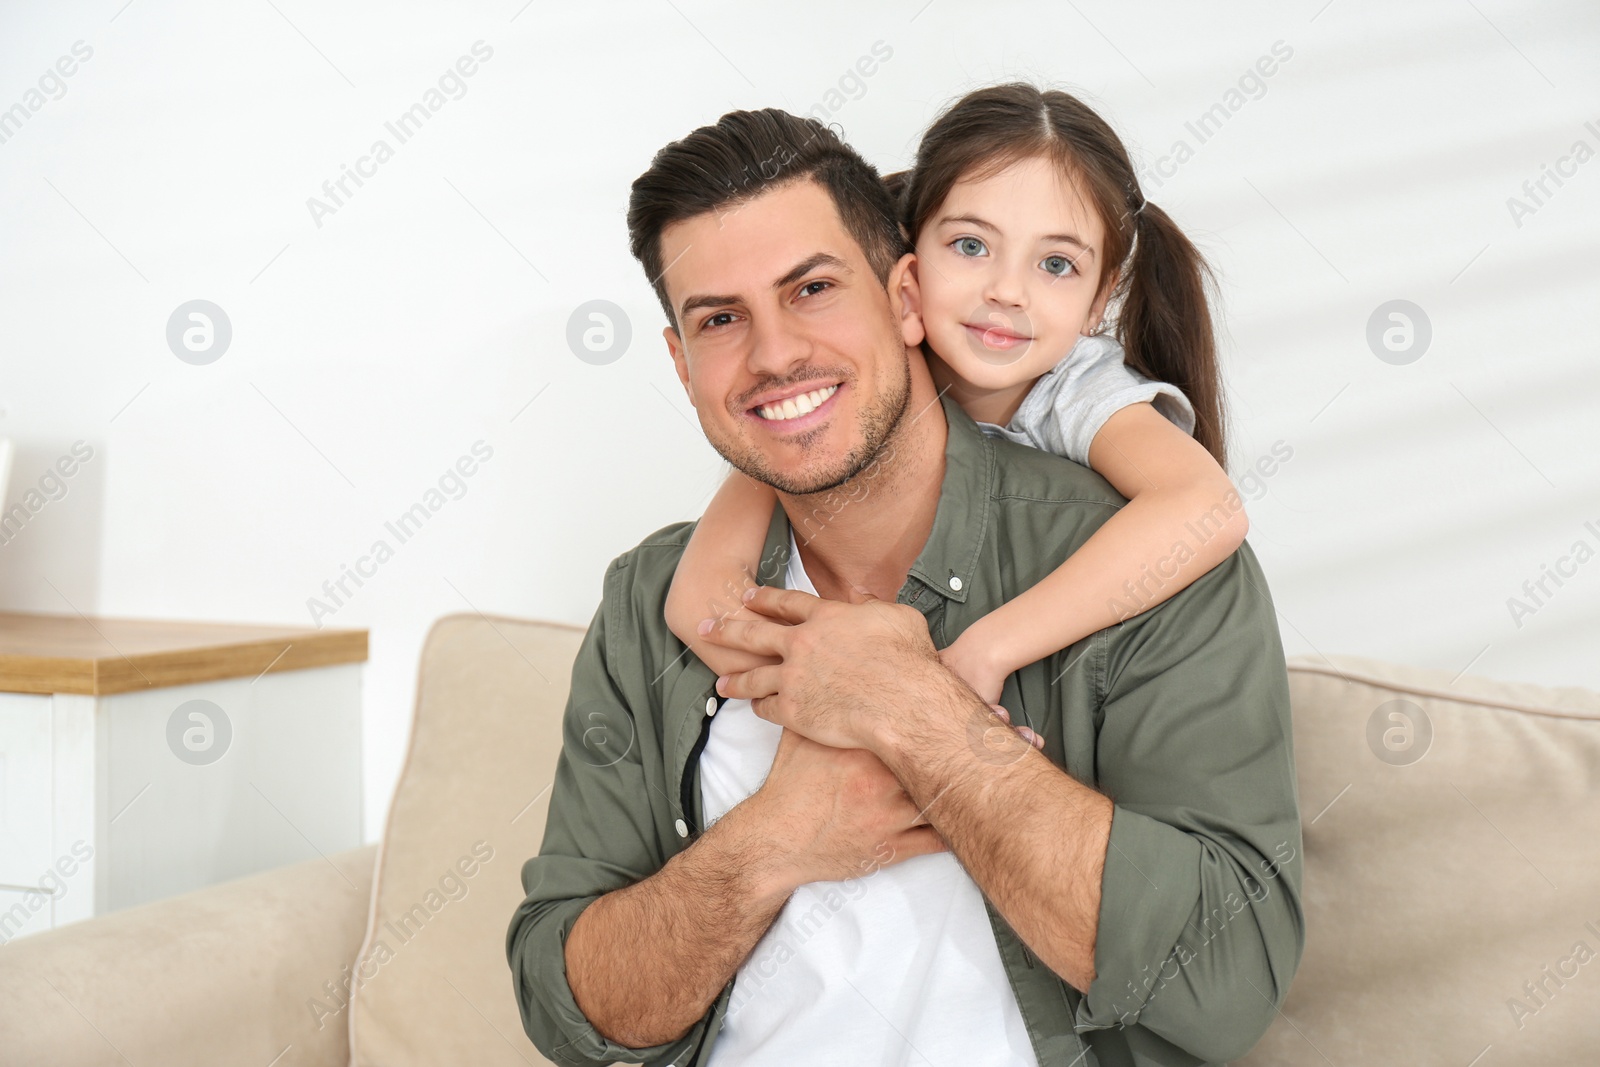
{"type": "Point", "coordinates": [843, 664]}
{"type": "Point", "coordinates": [838, 812]}
{"type": "Point", "coordinates": [865, 674]}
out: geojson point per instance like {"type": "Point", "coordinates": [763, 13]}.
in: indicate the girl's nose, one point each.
{"type": "Point", "coordinates": [1004, 286]}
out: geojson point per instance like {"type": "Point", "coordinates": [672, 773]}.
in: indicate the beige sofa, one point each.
{"type": "Point", "coordinates": [1435, 888]}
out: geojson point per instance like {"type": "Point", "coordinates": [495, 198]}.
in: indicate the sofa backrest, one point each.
{"type": "Point", "coordinates": [1450, 836]}
{"type": "Point", "coordinates": [432, 985]}
{"type": "Point", "coordinates": [1452, 870]}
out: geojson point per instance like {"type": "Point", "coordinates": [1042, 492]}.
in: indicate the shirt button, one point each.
{"type": "Point", "coordinates": [955, 582]}
{"type": "Point", "coordinates": [682, 828]}
{"type": "Point", "coordinates": [711, 705]}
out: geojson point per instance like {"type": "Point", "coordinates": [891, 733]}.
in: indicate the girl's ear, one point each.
{"type": "Point", "coordinates": [905, 300]}
{"type": "Point", "coordinates": [1098, 309]}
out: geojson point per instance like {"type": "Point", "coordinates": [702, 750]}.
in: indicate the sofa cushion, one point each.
{"type": "Point", "coordinates": [1452, 874]}
{"type": "Point", "coordinates": [431, 984]}
{"type": "Point", "coordinates": [227, 974]}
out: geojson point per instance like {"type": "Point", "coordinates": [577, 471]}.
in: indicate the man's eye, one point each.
{"type": "Point", "coordinates": [1058, 265]}
{"type": "Point", "coordinates": [808, 289]}
{"type": "Point", "coordinates": [968, 246]}
{"type": "Point", "coordinates": [712, 323]}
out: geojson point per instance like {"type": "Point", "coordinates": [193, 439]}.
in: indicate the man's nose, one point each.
{"type": "Point", "coordinates": [777, 346]}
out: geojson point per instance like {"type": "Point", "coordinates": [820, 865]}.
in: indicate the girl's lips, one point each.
{"type": "Point", "coordinates": [995, 337]}
{"type": "Point", "coordinates": [799, 422]}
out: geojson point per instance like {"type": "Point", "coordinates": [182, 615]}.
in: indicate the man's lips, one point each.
{"type": "Point", "coordinates": [997, 337]}
{"type": "Point", "coordinates": [787, 415]}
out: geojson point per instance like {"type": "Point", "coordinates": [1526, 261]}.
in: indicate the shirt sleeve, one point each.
{"type": "Point", "coordinates": [1201, 926]}
{"type": "Point", "coordinates": [603, 832]}
{"type": "Point", "coordinates": [1066, 408]}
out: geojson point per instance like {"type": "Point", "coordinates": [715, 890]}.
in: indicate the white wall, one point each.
{"type": "Point", "coordinates": [424, 315]}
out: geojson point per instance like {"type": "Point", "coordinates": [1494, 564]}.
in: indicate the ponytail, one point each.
{"type": "Point", "coordinates": [899, 184]}
{"type": "Point", "coordinates": [1165, 325]}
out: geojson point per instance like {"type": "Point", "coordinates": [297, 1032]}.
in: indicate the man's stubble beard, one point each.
{"type": "Point", "coordinates": [878, 427]}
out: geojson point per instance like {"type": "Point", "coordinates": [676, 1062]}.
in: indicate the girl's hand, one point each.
{"type": "Point", "coordinates": [1027, 735]}
{"type": "Point", "coordinates": [975, 667]}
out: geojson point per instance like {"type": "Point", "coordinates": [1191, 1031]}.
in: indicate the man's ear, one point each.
{"type": "Point", "coordinates": [1092, 321]}
{"type": "Point", "coordinates": [905, 300]}
{"type": "Point", "coordinates": [680, 361]}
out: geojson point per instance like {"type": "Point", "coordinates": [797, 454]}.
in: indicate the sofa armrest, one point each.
{"type": "Point", "coordinates": [230, 974]}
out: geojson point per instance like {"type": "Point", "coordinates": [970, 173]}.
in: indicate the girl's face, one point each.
{"type": "Point", "coordinates": [1009, 269]}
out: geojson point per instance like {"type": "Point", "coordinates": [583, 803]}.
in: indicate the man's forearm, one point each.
{"type": "Point", "coordinates": [646, 961]}
{"type": "Point", "coordinates": [973, 776]}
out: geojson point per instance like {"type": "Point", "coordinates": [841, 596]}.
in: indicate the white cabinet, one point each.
{"type": "Point", "coordinates": [113, 799]}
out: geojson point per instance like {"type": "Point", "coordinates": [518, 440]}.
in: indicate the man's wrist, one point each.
{"type": "Point", "coordinates": [934, 705]}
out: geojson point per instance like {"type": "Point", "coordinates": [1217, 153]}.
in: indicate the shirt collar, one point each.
{"type": "Point", "coordinates": [949, 558]}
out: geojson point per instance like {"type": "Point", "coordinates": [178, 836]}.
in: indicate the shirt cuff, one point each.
{"type": "Point", "coordinates": [1147, 893]}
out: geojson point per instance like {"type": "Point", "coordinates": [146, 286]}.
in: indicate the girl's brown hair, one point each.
{"type": "Point", "coordinates": [1163, 320]}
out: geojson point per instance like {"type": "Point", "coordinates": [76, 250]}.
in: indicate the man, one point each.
{"type": "Point", "coordinates": [873, 868]}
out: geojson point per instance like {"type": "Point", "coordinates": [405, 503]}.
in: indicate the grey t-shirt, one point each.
{"type": "Point", "coordinates": [1069, 403]}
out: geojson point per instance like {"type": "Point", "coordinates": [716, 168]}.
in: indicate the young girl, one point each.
{"type": "Point", "coordinates": [1027, 222]}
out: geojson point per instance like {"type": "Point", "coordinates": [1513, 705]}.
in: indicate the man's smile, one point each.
{"type": "Point", "coordinates": [796, 408]}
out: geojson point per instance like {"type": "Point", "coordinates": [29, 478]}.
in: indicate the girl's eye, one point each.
{"type": "Point", "coordinates": [1057, 265]}
{"type": "Point", "coordinates": [968, 246]}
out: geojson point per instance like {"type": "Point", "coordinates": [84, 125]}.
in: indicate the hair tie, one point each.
{"type": "Point", "coordinates": [1142, 203]}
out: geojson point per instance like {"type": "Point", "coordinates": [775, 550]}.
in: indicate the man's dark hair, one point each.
{"type": "Point", "coordinates": [748, 153]}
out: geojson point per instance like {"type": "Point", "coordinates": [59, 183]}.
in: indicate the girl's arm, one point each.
{"type": "Point", "coordinates": [718, 565]}
{"type": "Point", "coordinates": [1183, 517]}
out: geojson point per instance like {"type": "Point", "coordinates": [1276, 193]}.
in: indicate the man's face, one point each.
{"type": "Point", "coordinates": [791, 350]}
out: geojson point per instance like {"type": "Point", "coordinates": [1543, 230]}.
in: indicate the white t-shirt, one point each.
{"type": "Point", "coordinates": [1069, 403]}
{"type": "Point", "coordinates": [898, 966]}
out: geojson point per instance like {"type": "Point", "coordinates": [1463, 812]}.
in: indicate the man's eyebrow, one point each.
{"type": "Point", "coordinates": [811, 263]}
{"type": "Point", "coordinates": [795, 273]}
{"type": "Point", "coordinates": [1059, 238]}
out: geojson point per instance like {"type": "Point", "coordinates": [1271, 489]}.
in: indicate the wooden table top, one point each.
{"type": "Point", "coordinates": [78, 654]}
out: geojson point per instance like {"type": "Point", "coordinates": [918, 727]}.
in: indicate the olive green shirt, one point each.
{"type": "Point", "coordinates": [1180, 715]}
